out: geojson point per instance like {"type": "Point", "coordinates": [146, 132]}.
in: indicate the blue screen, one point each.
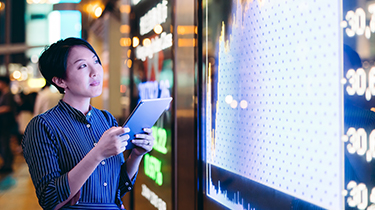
{"type": "Point", "coordinates": [69, 1]}
{"type": "Point", "coordinates": [288, 119]}
{"type": "Point", "coordinates": [71, 24]}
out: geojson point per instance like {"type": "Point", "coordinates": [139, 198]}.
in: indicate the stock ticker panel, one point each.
{"type": "Point", "coordinates": [275, 104]}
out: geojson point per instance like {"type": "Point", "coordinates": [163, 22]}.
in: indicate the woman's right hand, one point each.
{"type": "Point", "coordinates": [113, 142]}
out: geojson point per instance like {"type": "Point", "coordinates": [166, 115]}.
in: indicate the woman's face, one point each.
{"type": "Point", "coordinates": [84, 73]}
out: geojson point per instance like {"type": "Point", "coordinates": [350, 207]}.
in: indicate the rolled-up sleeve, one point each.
{"type": "Point", "coordinates": [41, 154]}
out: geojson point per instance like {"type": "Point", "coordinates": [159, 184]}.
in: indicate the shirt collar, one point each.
{"type": "Point", "coordinates": [75, 113]}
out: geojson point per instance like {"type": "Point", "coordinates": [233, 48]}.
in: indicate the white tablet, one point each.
{"type": "Point", "coordinates": [145, 115]}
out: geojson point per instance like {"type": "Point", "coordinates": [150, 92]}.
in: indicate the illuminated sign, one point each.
{"type": "Point", "coordinates": [150, 90]}
{"type": "Point", "coordinates": [355, 22]}
{"type": "Point", "coordinates": [64, 24]}
{"type": "Point", "coordinates": [160, 136]}
{"type": "Point", "coordinates": [152, 164]}
{"type": "Point", "coordinates": [358, 80]}
{"type": "Point", "coordinates": [153, 198]}
{"type": "Point", "coordinates": [358, 26]}
{"type": "Point", "coordinates": [157, 44]}
{"type": "Point", "coordinates": [274, 100]}
{"type": "Point", "coordinates": [153, 169]}
{"type": "Point", "coordinates": [358, 196]}
{"type": "Point", "coordinates": [358, 142]}
{"type": "Point", "coordinates": [37, 30]}
{"type": "Point", "coordinates": [153, 78]}
{"type": "Point", "coordinates": [155, 16]}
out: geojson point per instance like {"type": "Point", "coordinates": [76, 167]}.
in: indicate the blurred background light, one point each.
{"type": "Point", "coordinates": [125, 9]}
{"type": "Point", "coordinates": [2, 6]}
{"type": "Point", "coordinates": [125, 29]}
{"type": "Point", "coordinates": [146, 42]}
{"type": "Point", "coordinates": [135, 41]}
{"type": "Point", "coordinates": [36, 82]}
{"type": "Point", "coordinates": [158, 29]}
{"type": "Point", "coordinates": [125, 42]}
{"type": "Point", "coordinates": [98, 11]}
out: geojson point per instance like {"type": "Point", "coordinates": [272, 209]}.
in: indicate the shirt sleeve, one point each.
{"type": "Point", "coordinates": [125, 184]}
{"type": "Point", "coordinates": [41, 154]}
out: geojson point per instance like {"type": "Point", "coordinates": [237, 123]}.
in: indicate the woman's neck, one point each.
{"type": "Point", "coordinates": [81, 104]}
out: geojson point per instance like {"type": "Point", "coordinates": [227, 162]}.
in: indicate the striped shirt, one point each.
{"type": "Point", "coordinates": [56, 141]}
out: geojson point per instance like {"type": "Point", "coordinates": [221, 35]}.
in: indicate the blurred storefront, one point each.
{"type": "Point", "coordinates": [141, 43]}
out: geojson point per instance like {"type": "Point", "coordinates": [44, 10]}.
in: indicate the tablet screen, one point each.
{"type": "Point", "coordinates": [145, 115]}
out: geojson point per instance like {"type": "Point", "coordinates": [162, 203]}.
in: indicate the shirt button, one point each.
{"type": "Point", "coordinates": [129, 188]}
{"type": "Point", "coordinates": [95, 144]}
{"type": "Point", "coordinates": [105, 184]}
{"type": "Point", "coordinates": [103, 162]}
{"type": "Point", "coordinates": [126, 183]}
{"type": "Point", "coordinates": [88, 125]}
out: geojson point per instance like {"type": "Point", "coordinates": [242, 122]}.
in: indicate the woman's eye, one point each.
{"type": "Point", "coordinates": [82, 66]}
{"type": "Point", "coordinates": [96, 61]}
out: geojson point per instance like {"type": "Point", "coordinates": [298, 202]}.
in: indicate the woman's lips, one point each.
{"type": "Point", "coordinates": [95, 83]}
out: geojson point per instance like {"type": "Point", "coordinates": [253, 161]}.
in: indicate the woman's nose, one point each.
{"type": "Point", "coordinates": [94, 71]}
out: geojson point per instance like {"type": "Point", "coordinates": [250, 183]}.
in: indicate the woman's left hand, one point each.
{"type": "Point", "coordinates": [143, 142]}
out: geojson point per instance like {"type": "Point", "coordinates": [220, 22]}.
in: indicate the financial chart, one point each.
{"type": "Point", "coordinates": [274, 101]}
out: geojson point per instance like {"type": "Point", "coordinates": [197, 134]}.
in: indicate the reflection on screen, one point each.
{"type": "Point", "coordinates": [274, 105]}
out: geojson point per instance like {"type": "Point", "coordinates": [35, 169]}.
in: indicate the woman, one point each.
{"type": "Point", "coordinates": [74, 151]}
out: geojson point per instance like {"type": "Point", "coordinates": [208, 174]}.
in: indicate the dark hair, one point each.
{"type": "Point", "coordinates": [5, 79]}
{"type": "Point", "coordinates": [52, 62]}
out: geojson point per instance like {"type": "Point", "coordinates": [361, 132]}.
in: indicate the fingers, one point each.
{"type": "Point", "coordinates": [147, 145]}
{"type": "Point", "coordinates": [126, 129]}
{"type": "Point", "coordinates": [117, 131]}
{"type": "Point", "coordinates": [147, 130]}
{"type": "Point", "coordinates": [113, 141]}
{"type": "Point", "coordinates": [144, 136]}
{"type": "Point", "coordinates": [144, 140]}
{"type": "Point", "coordinates": [124, 138]}
{"type": "Point", "coordinates": [123, 146]}
{"type": "Point", "coordinates": [124, 141]}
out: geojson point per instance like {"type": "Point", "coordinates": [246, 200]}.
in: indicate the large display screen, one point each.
{"type": "Point", "coordinates": [288, 97]}
{"type": "Point", "coordinates": [152, 77]}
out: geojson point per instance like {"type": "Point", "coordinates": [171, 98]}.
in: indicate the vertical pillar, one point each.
{"type": "Point", "coordinates": [185, 100]}
{"type": "Point", "coordinates": [114, 49]}
{"type": "Point", "coordinates": [8, 23]}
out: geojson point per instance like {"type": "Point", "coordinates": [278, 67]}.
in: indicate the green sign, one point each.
{"type": "Point", "coordinates": [160, 135]}
{"type": "Point", "coordinates": [153, 169]}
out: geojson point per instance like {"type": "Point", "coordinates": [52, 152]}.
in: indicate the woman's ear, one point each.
{"type": "Point", "coordinates": [59, 82]}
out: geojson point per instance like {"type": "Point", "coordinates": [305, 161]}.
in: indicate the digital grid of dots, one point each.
{"type": "Point", "coordinates": [284, 61]}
